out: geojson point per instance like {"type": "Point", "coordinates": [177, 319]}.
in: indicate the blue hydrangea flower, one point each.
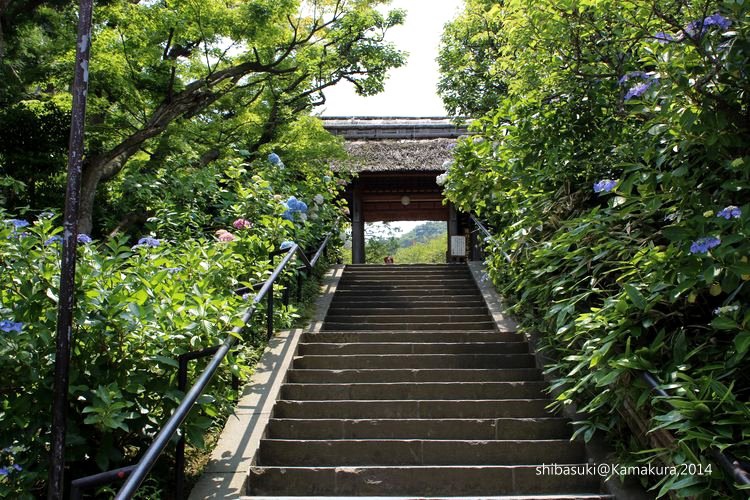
{"type": "Point", "coordinates": [285, 245]}
{"type": "Point", "coordinates": [84, 238]}
{"type": "Point", "coordinates": [700, 26]}
{"type": "Point", "coordinates": [604, 186]}
{"type": "Point", "coordinates": [18, 223]}
{"type": "Point", "coordinates": [663, 37]}
{"type": "Point", "coordinates": [54, 240]}
{"type": "Point", "coordinates": [173, 270]}
{"type": "Point", "coordinates": [703, 245]}
{"type": "Point", "coordinates": [730, 212]}
{"type": "Point", "coordinates": [296, 205]}
{"type": "Point", "coordinates": [147, 241]}
{"type": "Point", "coordinates": [4, 471]}
{"type": "Point", "coordinates": [275, 160]}
{"type": "Point", "coordinates": [288, 215]}
{"type": "Point", "coordinates": [10, 326]}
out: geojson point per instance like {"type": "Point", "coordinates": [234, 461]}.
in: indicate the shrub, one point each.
{"type": "Point", "coordinates": [615, 175]}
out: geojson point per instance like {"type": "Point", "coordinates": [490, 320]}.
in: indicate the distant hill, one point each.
{"type": "Point", "coordinates": [422, 233]}
{"type": "Point", "coordinates": [426, 243]}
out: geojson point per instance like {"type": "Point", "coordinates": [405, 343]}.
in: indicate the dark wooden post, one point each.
{"type": "Point", "coordinates": [66, 303]}
{"type": "Point", "coordinates": [452, 229]}
{"type": "Point", "coordinates": [358, 226]}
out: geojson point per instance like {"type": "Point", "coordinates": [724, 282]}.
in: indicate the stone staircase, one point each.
{"type": "Point", "coordinates": [408, 391]}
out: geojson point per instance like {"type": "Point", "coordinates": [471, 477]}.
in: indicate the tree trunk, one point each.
{"type": "Point", "coordinates": [89, 183]}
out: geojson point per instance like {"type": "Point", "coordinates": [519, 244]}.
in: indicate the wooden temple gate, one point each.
{"type": "Point", "coordinates": [396, 162]}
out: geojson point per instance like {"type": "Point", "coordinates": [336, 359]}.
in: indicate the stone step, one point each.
{"type": "Point", "coordinates": [411, 325]}
{"type": "Point", "coordinates": [319, 376]}
{"type": "Point", "coordinates": [413, 361]}
{"type": "Point", "coordinates": [397, 267]}
{"type": "Point", "coordinates": [410, 409]}
{"type": "Point", "coordinates": [483, 429]}
{"type": "Point", "coordinates": [405, 291]}
{"type": "Point", "coordinates": [403, 311]}
{"type": "Point", "coordinates": [417, 452]}
{"type": "Point", "coordinates": [485, 482]}
{"type": "Point", "coordinates": [570, 496]}
{"type": "Point", "coordinates": [410, 390]}
{"type": "Point", "coordinates": [414, 348]}
{"type": "Point", "coordinates": [389, 302]}
{"type": "Point", "coordinates": [446, 317]}
{"type": "Point", "coordinates": [407, 287]}
{"type": "Point", "coordinates": [413, 336]}
{"type": "Point", "coordinates": [407, 276]}
{"type": "Point", "coordinates": [412, 281]}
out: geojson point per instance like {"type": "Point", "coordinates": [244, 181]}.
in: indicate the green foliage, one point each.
{"type": "Point", "coordinates": [622, 282]}
{"type": "Point", "coordinates": [179, 85]}
{"type": "Point", "coordinates": [137, 309]}
{"type": "Point", "coordinates": [469, 79]}
{"type": "Point", "coordinates": [431, 251]}
{"type": "Point", "coordinates": [380, 242]}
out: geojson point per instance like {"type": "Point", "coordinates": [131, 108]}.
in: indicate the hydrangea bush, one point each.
{"type": "Point", "coordinates": [647, 270]}
{"type": "Point", "coordinates": [140, 303]}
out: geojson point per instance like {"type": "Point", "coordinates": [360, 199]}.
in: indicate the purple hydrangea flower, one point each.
{"type": "Point", "coordinates": [700, 26]}
{"type": "Point", "coordinates": [703, 245]}
{"type": "Point", "coordinates": [4, 471]}
{"type": "Point", "coordinates": [18, 223]}
{"type": "Point", "coordinates": [730, 212]}
{"type": "Point", "coordinates": [10, 326]}
{"type": "Point", "coordinates": [54, 240]}
{"type": "Point", "coordinates": [84, 238]}
{"type": "Point", "coordinates": [147, 241]}
{"type": "Point", "coordinates": [17, 467]}
{"type": "Point", "coordinates": [663, 37]}
{"type": "Point", "coordinates": [639, 89]}
{"type": "Point", "coordinates": [633, 74]}
{"type": "Point", "coordinates": [285, 245]}
{"type": "Point", "coordinates": [604, 186]}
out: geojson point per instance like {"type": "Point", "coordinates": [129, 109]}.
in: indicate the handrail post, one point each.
{"type": "Point", "coordinates": [179, 459]}
{"type": "Point", "coordinates": [269, 313]}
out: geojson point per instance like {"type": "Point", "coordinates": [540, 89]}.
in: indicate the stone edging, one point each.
{"type": "Point", "coordinates": [227, 471]}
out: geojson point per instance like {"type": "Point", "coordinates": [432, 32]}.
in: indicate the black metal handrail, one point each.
{"type": "Point", "coordinates": [487, 235]}
{"type": "Point", "coordinates": [731, 466]}
{"type": "Point", "coordinates": [136, 474]}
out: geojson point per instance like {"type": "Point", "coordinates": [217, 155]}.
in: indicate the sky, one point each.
{"type": "Point", "coordinates": [411, 89]}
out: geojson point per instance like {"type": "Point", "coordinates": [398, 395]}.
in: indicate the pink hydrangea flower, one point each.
{"type": "Point", "coordinates": [242, 224]}
{"type": "Point", "coordinates": [224, 236]}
